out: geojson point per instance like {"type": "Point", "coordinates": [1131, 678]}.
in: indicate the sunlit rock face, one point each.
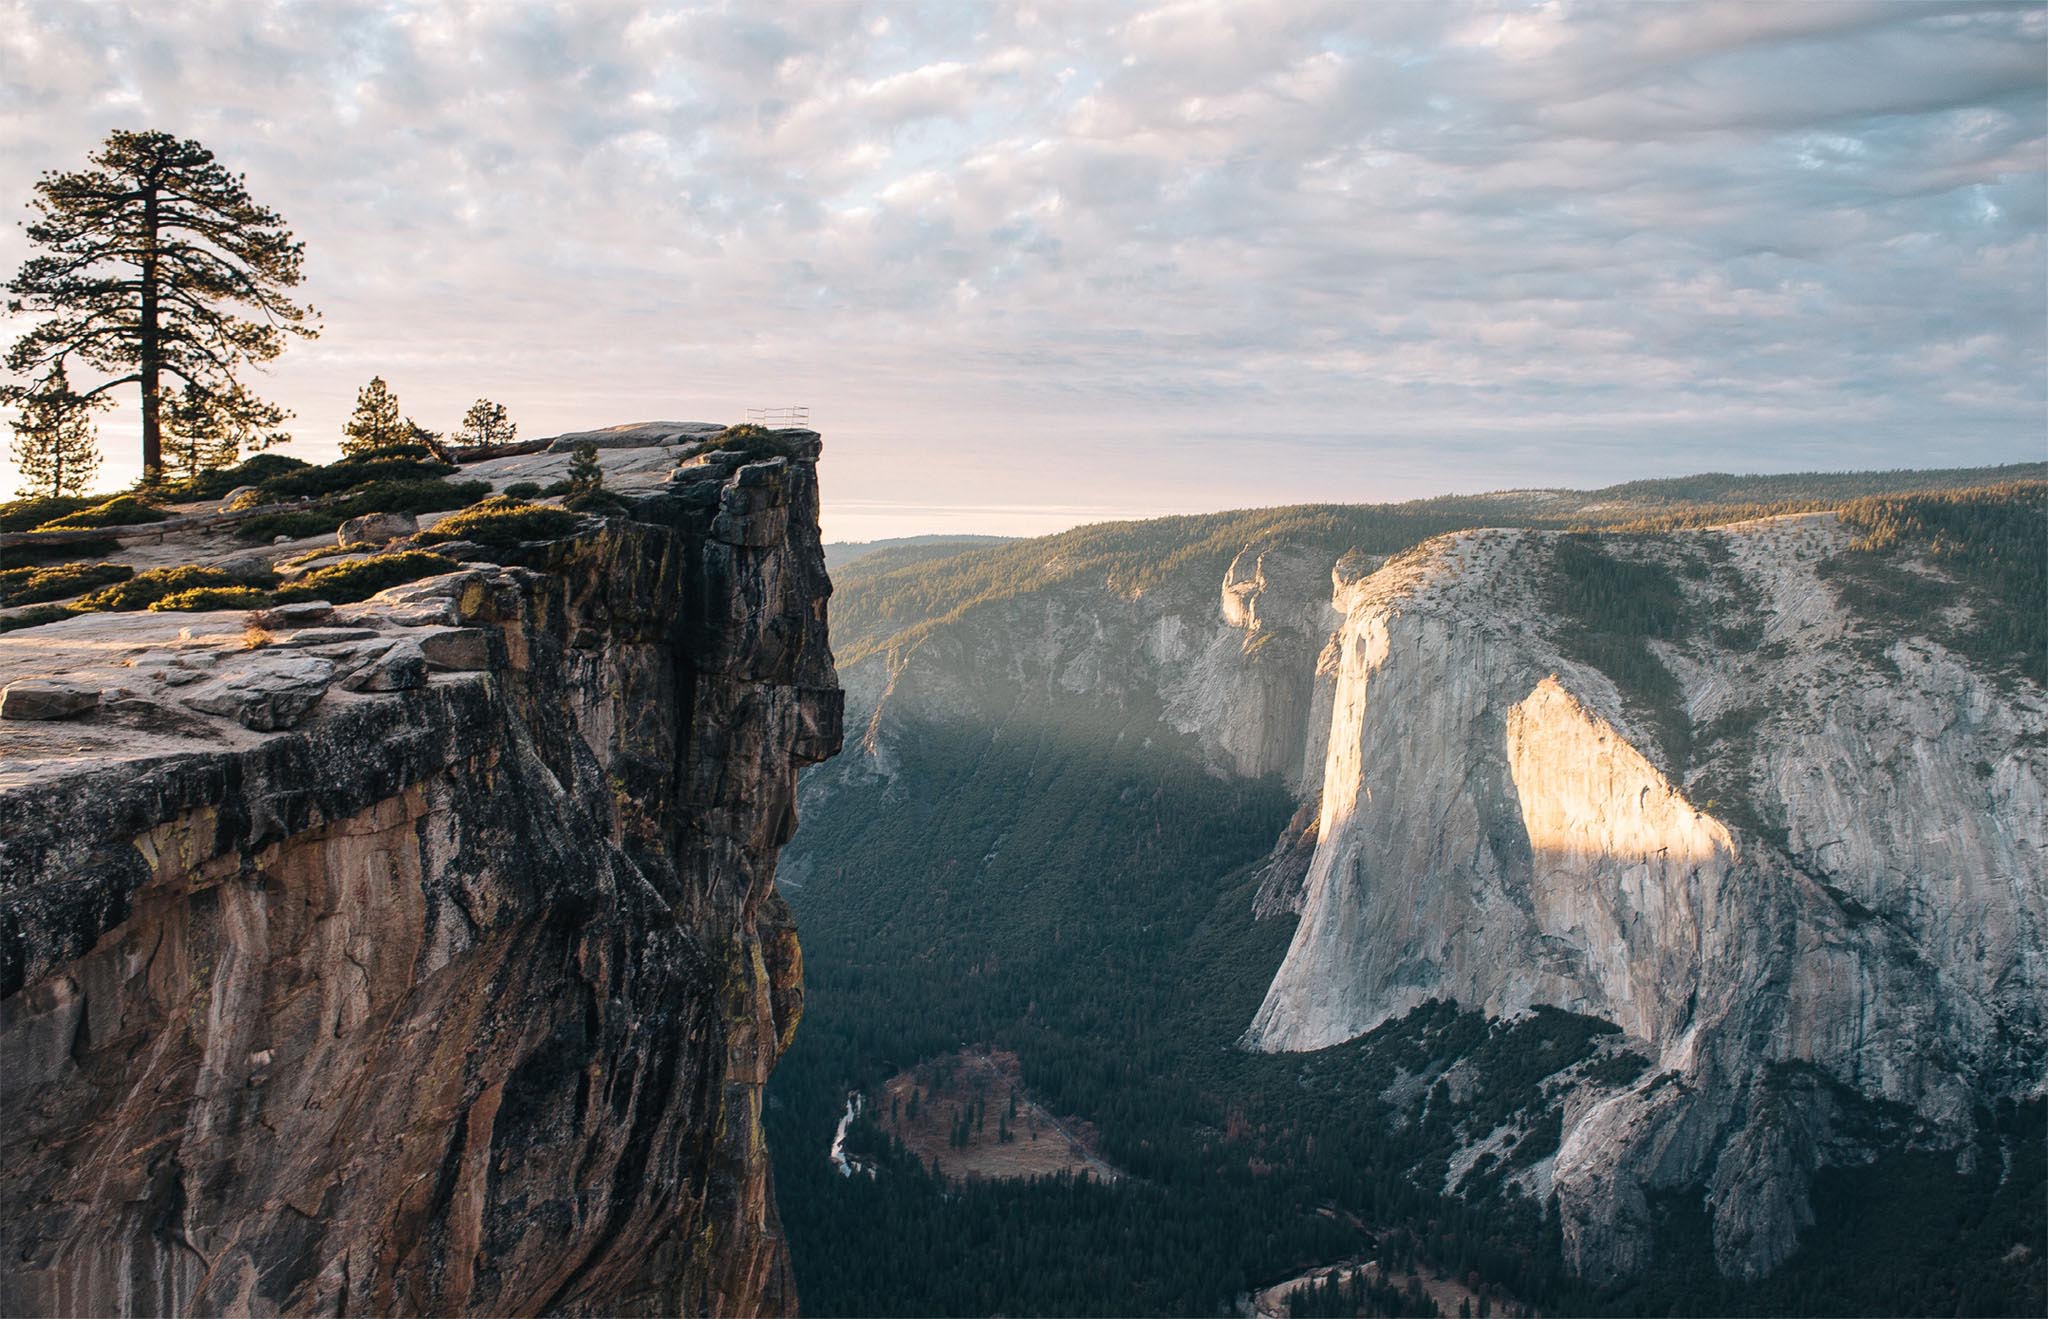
{"type": "Point", "coordinates": [1499, 828]}
{"type": "Point", "coordinates": [455, 999]}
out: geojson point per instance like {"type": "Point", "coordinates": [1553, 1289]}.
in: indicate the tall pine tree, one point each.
{"type": "Point", "coordinates": [155, 262]}
{"type": "Point", "coordinates": [54, 443]}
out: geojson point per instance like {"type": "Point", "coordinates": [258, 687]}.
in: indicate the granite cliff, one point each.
{"type": "Point", "coordinates": [1822, 914]}
{"type": "Point", "coordinates": [1785, 847]}
{"type": "Point", "coordinates": [424, 954]}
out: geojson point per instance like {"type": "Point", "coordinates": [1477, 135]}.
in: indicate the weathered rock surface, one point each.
{"type": "Point", "coordinates": [1499, 829]}
{"type": "Point", "coordinates": [455, 998]}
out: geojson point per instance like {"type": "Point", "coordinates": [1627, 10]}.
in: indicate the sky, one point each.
{"type": "Point", "coordinates": [1037, 264]}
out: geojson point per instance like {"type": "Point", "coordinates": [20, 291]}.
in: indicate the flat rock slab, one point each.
{"type": "Point", "coordinates": [301, 613]}
{"type": "Point", "coordinates": [636, 435]}
{"type": "Point", "coordinates": [271, 692]}
{"type": "Point", "coordinates": [42, 698]}
{"type": "Point", "coordinates": [328, 636]}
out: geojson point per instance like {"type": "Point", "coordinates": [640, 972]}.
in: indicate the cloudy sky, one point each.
{"type": "Point", "coordinates": [1032, 264]}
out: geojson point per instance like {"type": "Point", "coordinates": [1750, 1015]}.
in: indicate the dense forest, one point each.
{"type": "Point", "coordinates": [1071, 886]}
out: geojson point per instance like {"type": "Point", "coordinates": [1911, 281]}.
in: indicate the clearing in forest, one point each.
{"type": "Point", "coordinates": [966, 1115]}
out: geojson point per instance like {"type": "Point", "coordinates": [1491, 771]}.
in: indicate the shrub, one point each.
{"type": "Point", "coordinates": [213, 597]}
{"type": "Point", "coordinates": [33, 617]}
{"type": "Point", "coordinates": [502, 521]}
{"type": "Point", "coordinates": [297, 524]}
{"type": "Point", "coordinates": [18, 556]}
{"type": "Point", "coordinates": [752, 440]}
{"type": "Point", "coordinates": [22, 514]}
{"type": "Point", "coordinates": [27, 586]}
{"type": "Point", "coordinates": [146, 588]}
{"type": "Point", "coordinates": [253, 470]}
{"type": "Point", "coordinates": [120, 511]}
{"type": "Point", "coordinates": [359, 579]}
{"type": "Point", "coordinates": [522, 489]}
{"type": "Point", "coordinates": [415, 496]}
{"type": "Point", "coordinates": [557, 488]}
{"type": "Point", "coordinates": [392, 464]}
{"type": "Point", "coordinates": [595, 501]}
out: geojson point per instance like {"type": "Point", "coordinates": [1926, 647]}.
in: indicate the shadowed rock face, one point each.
{"type": "Point", "coordinates": [458, 998]}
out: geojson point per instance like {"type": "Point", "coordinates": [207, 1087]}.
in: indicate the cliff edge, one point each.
{"type": "Point", "coordinates": [422, 954]}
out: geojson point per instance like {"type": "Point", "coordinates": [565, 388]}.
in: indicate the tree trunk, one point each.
{"type": "Point", "coordinates": [152, 352]}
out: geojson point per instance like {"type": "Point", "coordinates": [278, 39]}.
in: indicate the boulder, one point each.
{"type": "Point", "coordinates": [42, 698]}
{"type": "Point", "coordinates": [375, 529]}
{"type": "Point", "coordinates": [274, 691]}
{"type": "Point", "coordinates": [242, 496]}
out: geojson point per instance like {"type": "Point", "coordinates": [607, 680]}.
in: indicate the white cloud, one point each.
{"type": "Point", "coordinates": [999, 239]}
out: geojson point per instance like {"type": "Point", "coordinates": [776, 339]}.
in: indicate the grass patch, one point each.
{"type": "Point", "coordinates": [146, 588]}
{"type": "Point", "coordinates": [502, 521]}
{"type": "Point", "coordinates": [27, 586]}
{"type": "Point", "coordinates": [120, 511]}
{"type": "Point", "coordinates": [359, 579]}
{"type": "Point", "coordinates": [213, 597]}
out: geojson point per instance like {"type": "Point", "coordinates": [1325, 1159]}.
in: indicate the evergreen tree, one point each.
{"type": "Point", "coordinates": [155, 262]}
{"type": "Point", "coordinates": [375, 422]}
{"type": "Point", "coordinates": [586, 476]}
{"type": "Point", "coordinates": [205, 430]}
{"type": "Point", "coordinates": [54, 442]}
{"type": "Point", "coordinates": [486, 427]}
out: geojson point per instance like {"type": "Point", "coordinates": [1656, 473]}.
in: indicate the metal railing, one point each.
{"type": "Point", "coordinates": [780, 418]}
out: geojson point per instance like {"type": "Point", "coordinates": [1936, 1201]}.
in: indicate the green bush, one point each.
{"type": "Point", "coordinates": [27, 586]}
{"type": "Point", "coordinates": [23, 514]}
{"type": "Point", "coordinates": [120, 511]}
{"type": "Point", "coordinates": [502, 521]}
{"type": "Point", "coordinates": [146, 588]}
{"type": "Point", "coordinates": [57, 551]}
{"type": "Point", "coordinates": [555, 488]}
{"type": "Point", "coordinates": [752, 440]}
{"type": "Point", "coordinates": [213, 597]}
{"type": "Point", "coordinates": [359, 579]}
{"type": "Point", "coordinates": [33, 617]}
{"type": "Point", "coordinates": [253, 470]}
{"type": "Point", "coordinates": [415, 496]}
{"type": "Point", "coordinates": [391, 464]}
{"type": "Point", "coordinates": [297, 524]}
{"type": "Point", "coordinates": [595, 501]}
{"type": "Point", "coordinates": [523, 489]}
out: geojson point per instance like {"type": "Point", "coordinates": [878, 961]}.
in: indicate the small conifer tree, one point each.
{"type": "Point", "coordinates": [486, 427]}
{"type": "Point", "coordinates": [55, 444]}
{"type": "Point", "coordinates": [375, 422]}
{"type": "Point", "coordinates": [586, 475]}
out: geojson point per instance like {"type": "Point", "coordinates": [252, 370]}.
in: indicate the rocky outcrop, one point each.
{"type": "Point", "coordinates": [1826, 921]}
{"type": "Point", "coordinates": [454, 990]}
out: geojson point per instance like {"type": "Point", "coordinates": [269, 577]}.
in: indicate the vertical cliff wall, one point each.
{"type": "Point", "coordinates": [1822, 911]}
{"type": "Point", "coordinates": [457, 992]}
